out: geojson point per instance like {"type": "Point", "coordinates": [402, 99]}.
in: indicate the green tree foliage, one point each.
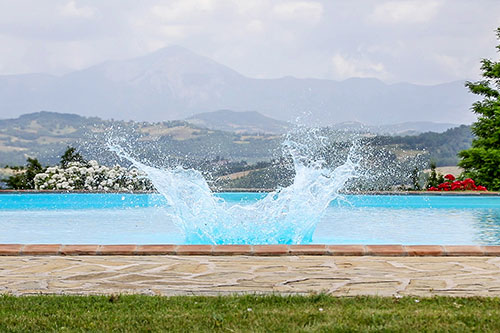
{"type": "Point", "coordinates": [482, 161]}
{"type": "Point", "coordinates": [71, 155]}
{"type": "Point", "coordinates": [442, 147]}
{"type": "Point", "coordinates": [23, 179]}
{"type": "Point", "coordinates": [435, 178]}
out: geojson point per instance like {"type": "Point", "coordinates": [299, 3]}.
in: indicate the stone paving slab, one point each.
{"type": "Point", "coordinates": [215, 275]}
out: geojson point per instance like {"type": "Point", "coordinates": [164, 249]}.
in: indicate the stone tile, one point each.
{"type": "Point", "coordinates": [429, 284]}
{"type": "Point", "coordinates": [92, 277]}
{"type": "Point", "coordinates": [274, 268]}
{"type": "Point", "coordinates": [139, 267]}
{"type": "Point", "coordinates": [41, 249]}
{"type": "Point", "coordinates": [310, 249]}
{"type": "Point", "coordinates": [10, 249]}
{"type": "Point", "coordinates": [232, 250]}
{"type": "Point", "coordinates": [424, 250]}
{"type": "Point", "coordinates": [75, 250]}
{"type": "Point", "coordinates": [117, 249]}
{"type": "Point", "coordinates": [491, 250]}
{"type": "Point", "coordinates": [385, 250]}
{"type": "Point", "coordinates": [194, 250]}
{"type": "Point", "coordinates": [189, 268]}
{"type": "Point", "coordinates": [155, 249]}
{"type": "Point", "coordinates": [347, 250]}
{"type": "Point", "coordinates": [270, 250]}
{"type": "Point", "coordinates": [463, 250]}
{"type": "Point", "coordinates": [135, 278]}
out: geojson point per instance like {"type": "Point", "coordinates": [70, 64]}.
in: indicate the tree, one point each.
{"type": "Point", "coordinates": [482, 161]}
{"type": "Point", "coordinates": [23, 179]}
{"type": "Point", "coordinates": [71, 155]}
{"type": "Point", "coordinates": [415, 179]}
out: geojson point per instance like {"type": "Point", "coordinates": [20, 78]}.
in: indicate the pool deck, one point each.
{"type": "Point", "coordinates": [386, 270]}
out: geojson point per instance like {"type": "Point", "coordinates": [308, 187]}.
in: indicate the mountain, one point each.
{"type": "Point", "coordinates": [175, 83]}
{"type": "Point", "coordinates": [239, 122]}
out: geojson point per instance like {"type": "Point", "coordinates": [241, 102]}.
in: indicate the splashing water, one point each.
{"type": "Point", "coordinates": [286, 216]}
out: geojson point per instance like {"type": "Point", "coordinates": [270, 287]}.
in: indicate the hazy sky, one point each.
{"type": "Point", "coordinates": [419, 41]}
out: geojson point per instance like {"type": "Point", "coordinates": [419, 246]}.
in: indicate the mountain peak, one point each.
{"type": "Point", "coordinates": [172, 50]}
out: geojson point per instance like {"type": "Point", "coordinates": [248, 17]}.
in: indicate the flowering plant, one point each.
{"type": "Point", "coordinates": [451, 184]}
{"type": "Point", "coordinates": [91, 176]}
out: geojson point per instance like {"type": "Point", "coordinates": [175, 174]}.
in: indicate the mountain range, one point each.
{"type": "Point", "coordinates": [175, 83]}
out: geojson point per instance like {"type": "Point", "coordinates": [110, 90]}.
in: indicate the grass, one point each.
{"type": "Point", "coordinates": [319, 313]}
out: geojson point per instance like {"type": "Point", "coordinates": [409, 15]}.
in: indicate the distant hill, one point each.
{"type": "Point", "coordinates": [46, 135]}
{"type": "Point", "coordinates": [255, 122]}
{"type": "Point", "coordinates": [175, 83]}
{"type": "Point", "coordinates": [442, 147]}
{"type": "Point", "coordinates": [239, 122]}
{"type": "Point", "coordinates": [406, 128]}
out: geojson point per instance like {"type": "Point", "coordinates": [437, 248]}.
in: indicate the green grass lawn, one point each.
{"type": "Point", "coordinates": [247, 313]}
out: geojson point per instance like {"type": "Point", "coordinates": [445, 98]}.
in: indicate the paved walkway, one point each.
{"type": "Point", "coordinates": [212, 275]}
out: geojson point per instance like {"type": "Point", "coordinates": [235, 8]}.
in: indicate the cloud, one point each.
{"type": "Point", "coordinates": [420, 41]}
{"type": "Point", "coordinates": [407, 11]}
{"type": "Point", "coordinates": [183, 9]}
{"type": "Point", "coordinates": [306, 11]}
{"type": "Point", "coordinates": [256, 26]}
{"type": "Point", "coordinates": [345, 67]}
{"type": "Point", "coordinates": [72, 10]}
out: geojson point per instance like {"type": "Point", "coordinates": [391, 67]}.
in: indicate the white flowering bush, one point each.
{"type": "Point", "coordinates": [92, 177]}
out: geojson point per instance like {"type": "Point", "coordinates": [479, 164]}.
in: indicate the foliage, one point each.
{"type": "Point", "coordinates": [23, 178]}
{"type": "Point", "coordinates": [415, 179]}
{"type": "Point", "coordinates": [435, 178]}
{"type": "Point", "coordinates": [91, 177]}
{"type": "Point", "coordinates": [442, 147]}
{"type": "Point", "coordinates": [75, 173]}
{"type": "Point", "coordinates": [71, 155]}
{"type": "Point", "coordinates": [248, 313]}
{"type": "Point", "coordinates": [432, 181]}
{"type": "Point", "coordinates": [481, 162]}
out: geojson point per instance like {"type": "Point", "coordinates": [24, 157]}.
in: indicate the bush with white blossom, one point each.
{"type": "Point", "coordinates": [91, 177]}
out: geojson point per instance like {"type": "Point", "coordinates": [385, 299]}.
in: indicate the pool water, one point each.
{"type": "Point", "coordinates": [85, 218]}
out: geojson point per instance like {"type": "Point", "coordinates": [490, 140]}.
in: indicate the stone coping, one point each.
{"type": "Point", "coordinates": [249, 250]}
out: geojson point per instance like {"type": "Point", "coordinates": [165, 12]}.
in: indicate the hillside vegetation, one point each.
{"type": "Point", "coordinates": [46, 135]}
{"type": "Point", "coordinates": [252, 159]}
{"type": "Point", "coordinates": [442, 147]}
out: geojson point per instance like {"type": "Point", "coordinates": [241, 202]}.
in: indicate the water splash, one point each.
{"type": "Point", "coordinates": [288, 215]}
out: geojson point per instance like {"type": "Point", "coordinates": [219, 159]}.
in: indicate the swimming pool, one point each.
{"type": "Point", "coordinates": [115, 218]}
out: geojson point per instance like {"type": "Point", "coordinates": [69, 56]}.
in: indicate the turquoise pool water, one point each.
{"type": "Point", "coordinates": [351, 219]}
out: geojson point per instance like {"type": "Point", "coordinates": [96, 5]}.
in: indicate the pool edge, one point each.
{"type": "Point", "coordinates": [395, 250]}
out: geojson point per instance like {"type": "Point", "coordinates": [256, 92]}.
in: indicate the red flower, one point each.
{"type": "Point", "coordinates": [469, 181]}
{"type": "Point", "coordinates": [481, 188]}
{"type": "Point", "coordinates": [450, 177]}
{"type": "Point", "coordinates": [444, 185]}
{"type": "Point", "coordinates": [432, 188]}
